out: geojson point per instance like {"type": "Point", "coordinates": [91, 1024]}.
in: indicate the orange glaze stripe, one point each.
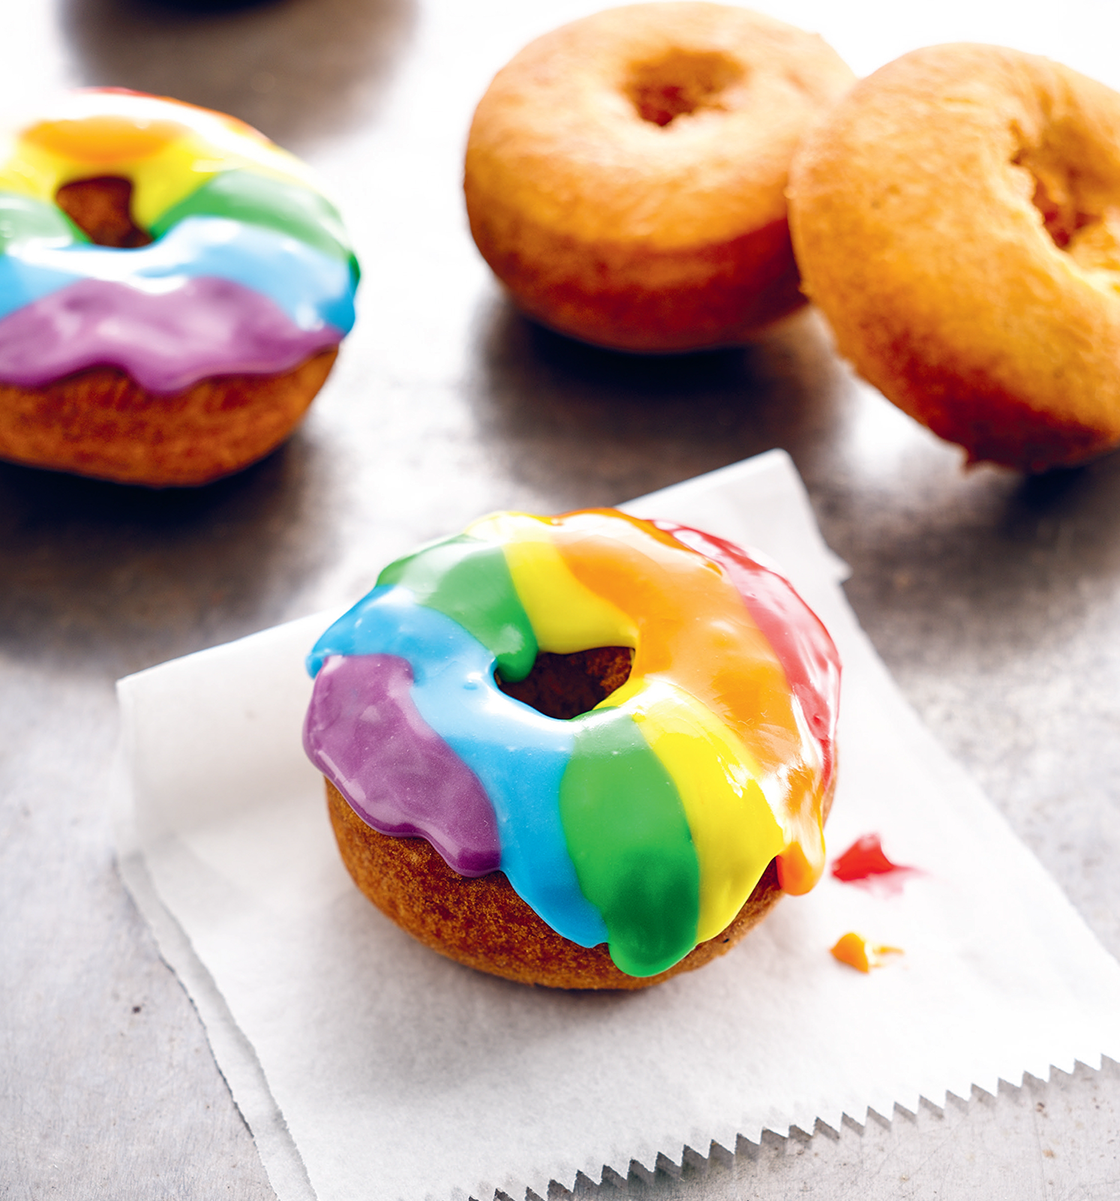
{"type": "Point", "coordinates": [104, 139]}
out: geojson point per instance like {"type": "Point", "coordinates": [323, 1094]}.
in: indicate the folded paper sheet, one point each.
{"type": "Point", "coordinates": [368, 1066]}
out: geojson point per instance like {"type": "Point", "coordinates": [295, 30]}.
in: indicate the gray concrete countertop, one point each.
{"type": "Point", "coordinates": [994, 599]}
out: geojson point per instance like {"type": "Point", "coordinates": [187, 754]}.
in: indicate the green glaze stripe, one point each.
{"type": "Point", "coordinates": [629, 840]}
{"type": "Point", "coordinates": [24, 219]}
{"type": "Point", "coordinates": [276, 204]}
{"type": "Point", "coordinates": [468, 580]}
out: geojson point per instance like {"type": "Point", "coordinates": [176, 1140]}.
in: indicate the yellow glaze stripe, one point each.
{"type": "Point", "coordinates": [733, 827]}
{"type": "Point", "coordinates": [566, 615]}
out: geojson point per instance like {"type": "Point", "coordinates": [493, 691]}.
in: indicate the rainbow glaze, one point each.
{"type": "Point", "coordinates": [231, 214]}
{"type": "Point", "coordinates": [517, 754]}
{"type": "Point", "coordinates": [645, 823]}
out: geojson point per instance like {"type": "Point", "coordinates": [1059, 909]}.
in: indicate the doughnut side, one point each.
{"type": "Point", "coordinates": [482, 923]}
{"type": "Point", "coordinates": [632, 298]}
{"type": "Point", "coordinates": [955, 219]}
{"type": "Point", "coordinates": [101, 423]}
{"type": "Point", "coordinates": [625, 174]}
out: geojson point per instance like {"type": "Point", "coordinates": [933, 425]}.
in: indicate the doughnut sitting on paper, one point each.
{"type": "Point", "coordinates": [584, 751]}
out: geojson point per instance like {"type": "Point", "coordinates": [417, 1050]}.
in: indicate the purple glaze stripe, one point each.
{"type": "Point", "coordinates": [166, 341]}
{"type": "Point", "coordinates": [364, 732]}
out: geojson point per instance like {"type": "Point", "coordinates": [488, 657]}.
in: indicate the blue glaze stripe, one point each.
{"type": "Point", "coordinates": [518, 754]}
{"type": "Point", "coordinates": [314, 290]}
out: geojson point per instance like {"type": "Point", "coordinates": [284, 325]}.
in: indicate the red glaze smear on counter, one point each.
{"type": "Point", "coordinates": [865, 863]}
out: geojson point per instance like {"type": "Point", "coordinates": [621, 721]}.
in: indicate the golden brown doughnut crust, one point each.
{"type": "Point", "coordinates": [957, 218]}
{"type": "Point", "coordinates": [625, 173]}
{"type": "Point", "coordinates": [483, 923]}
{"type": "Point", "coordinates": [102, 423]}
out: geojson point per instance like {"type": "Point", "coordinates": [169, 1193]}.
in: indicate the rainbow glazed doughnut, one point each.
{"type": "Point", "coordinates": [189, 342]}
{"type": "Point", "coordinates": [625, 174]}
{"type": "Point", "coordinates": [955, 218]}
{"type": "Point", "coordinates": [584, 751]}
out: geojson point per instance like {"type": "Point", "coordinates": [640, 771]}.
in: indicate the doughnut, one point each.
{"type": "Point", "coordinates": [625, 174]}
{"type": "Point", "coordinates": [173, 289]}
{"type": "Point", "coordinates": [955, 219]}
{"type": "Point", "coordinates": [585, 751]}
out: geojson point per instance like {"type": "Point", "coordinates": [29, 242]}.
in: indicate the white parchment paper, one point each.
{"type": "Point", "coordinates": [368, 1066]}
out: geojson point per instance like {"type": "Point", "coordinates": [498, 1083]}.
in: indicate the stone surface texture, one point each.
{"type": "Point", "coordinates": [993, 598]}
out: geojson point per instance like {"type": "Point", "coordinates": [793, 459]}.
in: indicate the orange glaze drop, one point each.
{"type": "Point", "coordinates": [854, 950]}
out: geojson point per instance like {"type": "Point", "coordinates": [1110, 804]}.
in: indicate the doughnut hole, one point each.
{"type": "Point", "coordinates": [680, 84]}
{"type": "Point", "coordinates": [564, 686]}
{"type": "Point", "coordinates": [1078, 220]}
{"type": "Point", "coordinates": [102, 209]}
{"type": "Point", "coordinates": [1054, 191]}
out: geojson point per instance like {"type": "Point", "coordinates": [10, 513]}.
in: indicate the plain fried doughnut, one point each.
{"type": "Point", "coordinates": [625, 174]}
{"type": "Point", "coordinates": [584, 751]}
{"type": "Point", "coordinates": [957, 219]}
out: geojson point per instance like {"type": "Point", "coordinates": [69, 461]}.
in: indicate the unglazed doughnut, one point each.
{"type": "Point", "coordinates": [956, 219]}
{"type": "Point", "coordinates": [189, 343]}
{"type": "Point", "coordinates": [625, 174]}
{"type": "Point", "coordinates": [602, 840]}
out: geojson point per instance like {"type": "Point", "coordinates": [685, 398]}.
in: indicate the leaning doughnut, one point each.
{"type": "Point", "coordinates": [625, 174]}
{"type": "Point", "coordinates": [955, 218]}
{"type": "Point", "coordinates": [631, 722]}
{"type": "Point", "coordinates": [191, 340]}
